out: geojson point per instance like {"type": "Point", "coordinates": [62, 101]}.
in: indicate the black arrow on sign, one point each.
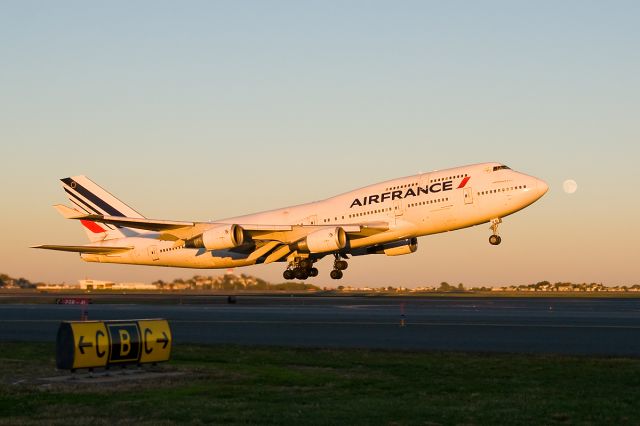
{"type": "Point", "coordinates": [82, 345]}
{"type": "Point", "coordinates": [164, 340]}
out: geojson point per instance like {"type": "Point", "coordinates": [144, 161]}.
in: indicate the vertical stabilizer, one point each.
{"type": "Point", "coordinates": [88, 197]}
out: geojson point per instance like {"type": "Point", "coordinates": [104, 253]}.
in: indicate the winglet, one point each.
{"type": "Point", "coordinates": [68, 212]}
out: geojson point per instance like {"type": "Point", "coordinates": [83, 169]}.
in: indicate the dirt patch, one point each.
{"type": "Point", "coordinates": [108, 377]}
{"type": "Point", "coordinates": [103, 380]}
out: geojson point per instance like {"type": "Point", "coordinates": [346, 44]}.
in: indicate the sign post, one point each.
{"type": "Point", "coordinates": [82, 301]}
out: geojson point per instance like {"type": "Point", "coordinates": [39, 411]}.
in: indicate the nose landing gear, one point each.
{"type": "Point", "coordinates": [495, 239]}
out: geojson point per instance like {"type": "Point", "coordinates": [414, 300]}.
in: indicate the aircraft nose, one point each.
{"type": "Point", "coordinates": [542, 187]}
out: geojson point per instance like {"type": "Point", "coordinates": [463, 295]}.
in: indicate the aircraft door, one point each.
{"type": "Point", "coordinates": [468, 195]}
{"type": "Point", "coordinates": [398, 207]}
{"type": "Point", "coordinates": [310, 220]}
{"type": "Point", "coordinates": [424, 179]}
{"type": "Point", "coordinates": [153, 253]}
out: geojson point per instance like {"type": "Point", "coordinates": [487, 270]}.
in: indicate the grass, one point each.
{"type": "Point", "coordinates": [246, 385]}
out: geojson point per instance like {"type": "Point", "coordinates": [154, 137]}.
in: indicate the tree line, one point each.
{"type": "Point", "coordinates": [7, 281]}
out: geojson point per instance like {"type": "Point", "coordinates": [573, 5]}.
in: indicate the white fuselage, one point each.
{"type": "Point", "coordinates": [411, 207]}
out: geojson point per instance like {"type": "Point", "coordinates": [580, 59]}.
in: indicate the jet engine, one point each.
{"type": "Point", "coordinates": [324, 240]}
{"type": "Point", "coordinates": [218, 238]}
{"type": "Point", "coordinates": [407, 247]}
{"type": "Point", "coordinates": [396, 248]}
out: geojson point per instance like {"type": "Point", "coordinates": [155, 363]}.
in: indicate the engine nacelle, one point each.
{"type": "Point", "coordinates": [395, 248]}
{"type": "Point", "coordinates": [218, 238]}
{"type": "Point", "coordinates": [324, 240]}
{"type": "Point", "coordinates": [399, 248]}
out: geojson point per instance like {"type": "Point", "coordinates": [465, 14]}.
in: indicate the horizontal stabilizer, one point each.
{"type": "Point", "coordinates": [68, 212]}
{"type": "Point", "coordinates": [137, 223]}
{"type": "Point", "coordinates": [85, 249]}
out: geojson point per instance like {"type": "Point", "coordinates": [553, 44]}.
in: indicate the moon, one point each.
{"type": "Point", "coordinates": [570, 186]}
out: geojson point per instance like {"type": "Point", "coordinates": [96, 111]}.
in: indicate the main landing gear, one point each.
{"type": "Point", "coordinates": [300, 269]}
{"type": "Point", "coordinates": [338, 266]}
{"type": "Point", "coordinates": [495, 239]}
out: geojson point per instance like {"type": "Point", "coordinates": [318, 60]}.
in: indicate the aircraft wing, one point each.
{"type": "Point", "coordinates": [180, 230]}
{"type": "Point", "coordinates": [273, 241]}
{"type": "Point", "coordinates": [291, 233]}
{"type": "Point", "coordinates": [280, 240]}
{"type": "Point", "coordinates": [85, 249]}
{"type": "Point", "coordinates": [365, 229]}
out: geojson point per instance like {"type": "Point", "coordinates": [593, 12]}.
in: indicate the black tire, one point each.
{"type": "Point", "coordinates": [301, 274]}
{"type": "Point", "coordinates": [336, 274]}
{"type": "Point", "coordinates": [288, 274]}
{"type": "Point", "coordinates": [494, 240]}
{"type": "Point", "coordinates": [313, 272]}
{"type": "Point", "coordinates": [342, 265]}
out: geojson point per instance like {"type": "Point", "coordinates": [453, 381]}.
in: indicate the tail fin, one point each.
{"type": "Point", "coordinates": [88, 197]}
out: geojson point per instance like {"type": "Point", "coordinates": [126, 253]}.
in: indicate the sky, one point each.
{"type": "Point", "coordinates": [203, 110]}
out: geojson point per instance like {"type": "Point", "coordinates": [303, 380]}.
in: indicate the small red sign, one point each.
{"type": "Point", "coordinates": [73, 301]}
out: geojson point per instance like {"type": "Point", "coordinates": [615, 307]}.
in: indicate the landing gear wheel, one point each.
{"type": "Point", "coordinates": [336, 274]}
{"type": "Point", "coordinates": [494, 240]}
{"type": "Point", "coordinates": [313, 272]}
{"type": "Point", "coordinates": [341, 265]}
{"type": "Point", "coordinates": [288, 274]}
{"type": "Point", "coordinates": [301, 274]}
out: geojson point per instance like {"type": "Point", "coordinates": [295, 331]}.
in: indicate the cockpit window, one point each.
{"type": "Point", "coordinates": [496, 168]}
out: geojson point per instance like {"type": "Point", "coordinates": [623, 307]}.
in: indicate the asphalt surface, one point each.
{"type": "Point", "coordinates": [583, 326]}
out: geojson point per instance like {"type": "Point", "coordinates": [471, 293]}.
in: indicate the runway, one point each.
{"type": "Point", "coordinates": [582, 326]}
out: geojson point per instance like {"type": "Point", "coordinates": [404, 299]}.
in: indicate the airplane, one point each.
{"type": "Point", "coordinates": [383, 218]}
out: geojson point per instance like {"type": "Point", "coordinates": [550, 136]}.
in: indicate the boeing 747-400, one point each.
{"type": "Point", "coordinates": [383, 218]}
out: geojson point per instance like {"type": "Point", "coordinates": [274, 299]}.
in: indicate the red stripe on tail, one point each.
{"type": "Point", "coordinates": [92, 226]}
